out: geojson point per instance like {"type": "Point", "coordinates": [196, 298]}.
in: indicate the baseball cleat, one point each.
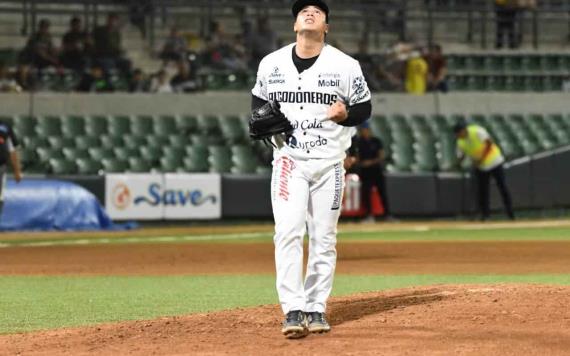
{"type": "Point", "coordinates": [295, 325]}
{"type": "Point", "coordinates": [318, 323]}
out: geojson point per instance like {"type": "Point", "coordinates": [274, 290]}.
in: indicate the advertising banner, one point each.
{"type": "Point", "coordinates": [132, 196]}
{"type": "Point", "coordinates": [192, 196]}
{"type": "Point", "coordinates": [163, 196]}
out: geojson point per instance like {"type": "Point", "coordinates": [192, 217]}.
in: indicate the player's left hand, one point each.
{"type": "Point", "coordinates": [337, 112]}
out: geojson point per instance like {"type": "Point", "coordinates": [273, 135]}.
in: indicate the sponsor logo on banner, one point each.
{"type": "Point", "coordinates": [163, 196]}
{"type": "Point", "coordinates": [156, 195]}
{"type": "Point", "coordinates": [121, 196]}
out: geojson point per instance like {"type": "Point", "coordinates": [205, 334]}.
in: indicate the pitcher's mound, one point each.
{"type": "Point", "coordinates": [439, 320]}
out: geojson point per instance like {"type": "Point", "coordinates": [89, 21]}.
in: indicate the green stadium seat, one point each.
{"type": "Point", "coordinates": [32, 142]}
{"type": "Point", "coordinates": [96, 125]}
{"type": "Point", "coordinates": [110, 141]}
{"type": "Point", "coordinates": [49, 126]}
{"type": "Point", "coordinates": [61, 141]}
{"type": "Point", "coordinates": [165, 125]}
{"type": "Point", "coordinates": [179, 140]}
{"type": "Point", "coordinates": [100, 153]}
{"type": "Point", "coordinates": [139, 165]}
{"type": "Point", "coordinates": [244, 159]}
{"type": "Point", "coordinates": [171, 164]}
{"type": "Point", "coordinates": [177, 153]}
{"type": "Point", "coordinates": [46, 153]}
{"type": "Point", "coordinates": [119, 125]}
{"type": "Point", "coordinates": [157, 141]}
{"type": "Point", "coordinates": [495, 63]}
{"type": "Point", "coordinates": [220, 159]}
{"type": "Point", "coordinates": [134, 141]}
{"type": "Point", "coordinates": [209, 125]}
{"type": "Point", "coordinates": [232, 129]}
{"type": "Point", "coordinates": [187, 124]}
{"type": "Point", "coordinates": [151, 154]}
{"type": "Point", "coordinates": [62, 166]}
{"type": "Point", "coordinates": [476, 63]}
{"type": "Point", "coordinates": [25, 126]}
{"type": "Point", "coordinates": [73, 126]}
{"type": "Point", "coordinates": [124, 153]}
{"type": "Point", "coordinates": [30, 161]}
{"type": "Point", "coordinates": [72, 153]}
{"type": "Point", "coordinates": [142, 125]}
{"type": "Point", "coordinates": [88, 166]}
{"type": "Point", "coordinates": [195, 165]}
{"type": "Point", "coordinates": [113, 165]}
{"type": "Point", "coordinates": [513, 63]}
{"type": "Point", "coordinates": [532, 63]}
{"type": "Point", "coordinates": [85, 142]}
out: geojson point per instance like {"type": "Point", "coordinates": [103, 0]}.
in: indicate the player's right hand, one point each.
{"type": "Point", "coordinates": [337, 112]}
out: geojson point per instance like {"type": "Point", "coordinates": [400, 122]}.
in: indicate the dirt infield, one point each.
{"type": "Point", "coordinates": [441, 320]}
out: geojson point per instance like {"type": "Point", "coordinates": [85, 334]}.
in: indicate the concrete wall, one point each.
{"type": "Point", "coordinates": [226, 103]}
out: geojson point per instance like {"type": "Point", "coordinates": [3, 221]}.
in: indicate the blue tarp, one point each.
{"type": "Point", "coordinates": [52, 205]}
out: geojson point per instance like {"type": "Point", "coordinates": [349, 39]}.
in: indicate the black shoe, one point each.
{"type": "Point", "coordinates": [318, 323]}
{"type": "Point", "coordinates": [295, 325]}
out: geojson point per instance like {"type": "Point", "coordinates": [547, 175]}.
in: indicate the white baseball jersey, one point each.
{"type": "Point", "coordinates": [305, 97]}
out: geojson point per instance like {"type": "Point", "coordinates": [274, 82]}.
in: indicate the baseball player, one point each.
{"type": "Point", "coordinates": [8, 144]}
{"type": "Point", "coordinates": [475, 142]}
{"type": "Point", "coordinates": [322, 92]}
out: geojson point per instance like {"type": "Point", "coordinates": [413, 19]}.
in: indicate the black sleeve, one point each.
{"type": "Point", "coordinates": [256, 102]}
{"type": "Point", "coordinates": [357, 114]}
{"type": "Point", "coordinates": [353, 150]}
{"type": "Point", "coordinates": [13, 137]}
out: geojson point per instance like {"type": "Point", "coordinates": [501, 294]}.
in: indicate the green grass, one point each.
{"type": "Point", "coordinates": [33, 303]}
{"type": "Point", "coordinates": [449, 234]}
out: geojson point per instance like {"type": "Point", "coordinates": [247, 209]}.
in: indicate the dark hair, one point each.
{"type": "Point", "coordinates": [75, 20]}
{"type": "Point", "coordinates": [458, 127]}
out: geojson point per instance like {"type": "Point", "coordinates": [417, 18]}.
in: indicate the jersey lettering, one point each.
{"type": "Point", "coordinates": [306, 97]}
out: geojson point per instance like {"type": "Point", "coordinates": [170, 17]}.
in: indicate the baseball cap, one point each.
{"type": "Point", "coordinates": [300, 4]}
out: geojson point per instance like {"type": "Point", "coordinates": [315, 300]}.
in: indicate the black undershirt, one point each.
{"type": "Point", "coordinates": [357, 114]}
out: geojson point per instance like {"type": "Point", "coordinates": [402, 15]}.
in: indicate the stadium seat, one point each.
{"type": "Point", "coordinates": [151, 154]}
{"type": "Point", "coordinates": [96, 125]}
{"type": "Point", "coordinates": [110, 141]}
{"type": "Point", "coordinates": [100, 153]}
{"type": "Point", "coordinates": [171, 164]}
{"type": "Point", "coordinates": [119, 125]}
{"type": "Point", "coordinates": [46, 153]}
{"type": "Point", "coordinates": [72, 153]}
{"type": "Point", "coordinates": [243, 159]}
{"type": "Point", "coordinates": [187, 124]}
{"type": "Point", "coordinates": [134, 141]}
{"type": "Point", "coordinates": [32, 142]}
{"type": "Point", "coordinates": [177, 153]}
{"type": "Point", "coordinates": [61, 141]}
{"type": "Point", "coordinates": [30, 161]}
{"type": "Point", "coordinates": [157, 141]}
{"type": "Point", "coordinates": [124, 153]}
{"type": "Point", "coordinates": [85, 142]}
{"type": "Point", "coordinates": [232, 129]}
{"type": "Point", "coordinates": [139, 165]}
{"type": "Point", "coordinates": [25, 125]}
{"type": "Point", "coordinates": [113, 165]}
{"type": "Point", "coordinates": [62, 166]}
{"type": "Point", "coordinates": [88, 166]}
{"type": "Point", "coordinates": [179, 140]}
{"type": "Point", "coordinates": [142, 125]}
{"type": "Point", "coordinates": [49, 126]}
{"type": "Point", "coordinates": [73, 126]}
{"type": "Point", "coordinates": [165, 125]}
{"type": "Point", "coordinates": [220, 159]}
{"type": "Point", "coordinates": [209, 125]}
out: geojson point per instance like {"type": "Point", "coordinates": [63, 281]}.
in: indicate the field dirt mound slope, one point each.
{"type": "Point", "coordinates": [439, 320]}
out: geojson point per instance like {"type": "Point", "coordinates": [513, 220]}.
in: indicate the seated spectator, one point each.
{"type": "Point", "coordinates": [174, 48]}
{"type": "Point", "coordinates": [437, 65]}
{"type": "Point", "coordinates": [138, 82]}
{"type": "Point", "coordinates": [75, 46]}
{"type": "Point", "coordinates": [40, 50]}
{"type": "Point", "coordinates": [369, 66]}
{"type": "Point", "coordinates": [25, 77]}
{"type": "Point", "coordinates": [223, 51]}
{"type": "Point", "coordinates": [263, 41]}
{"type": "Point", "coordinates": [95, 81]}
{"type": "Point", "coordinates": [184, 81]}
{"type": "Point", "coordinates": [7, 83]}
{"type": "Point", "coordinates": [160, 83]}
{"type": "Point", "coordinates": [107, 50]}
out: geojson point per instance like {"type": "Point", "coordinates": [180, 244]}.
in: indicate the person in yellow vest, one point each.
{"type": "Point", "coordinates": [474, 141]}
{"type": "Point", "coordinates": [416, 73]}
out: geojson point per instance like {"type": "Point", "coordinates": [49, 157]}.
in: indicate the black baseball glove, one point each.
{"type": "Point", "coordinates": [267, 120]}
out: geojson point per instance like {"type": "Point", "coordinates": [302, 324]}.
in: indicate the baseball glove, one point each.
{"type": "Point", "coordinates": [267, 120]}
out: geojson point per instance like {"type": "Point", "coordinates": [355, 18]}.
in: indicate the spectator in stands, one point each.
{"type": "Point", "coordinates": [40, 50]}
{"type": "Point", "coordinates": [8, 153]}
{"type": "Point", "coordinates": [369, 66]}
{"type": "Point", "coordinates": [437, 65]}
{"type": "Point", "coordinates": [475, 142]}
{"type": "Point", "coordinates": [25, 77]}
{"type": "Point", "coordinates": [506, 17]}
{"type": "Point", "coordinates": [7, 83]}
{"type": "Point", "coordinates": [263, 41]}
{"type": "Point", "coordinates": [184, 81]}
{"type": "Point", "coordinates": [369, 165]}
{"type": "Point", "coordinates": [95, 81]}
{"type": "Point", "coordinates": [224, 51]}
{"type": "Point", "coordinates": [416, 72]}
{"type": "Point", "coordinates": [175, 47]}
{"type": "Point", "coordinates": [75, 46]}
{"type": "Point", "coordinates": [160, 83]}
{"type": "Point", "coordinates": [108, 52]}
{"type": "Point", "coordinates": [138, 82]}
